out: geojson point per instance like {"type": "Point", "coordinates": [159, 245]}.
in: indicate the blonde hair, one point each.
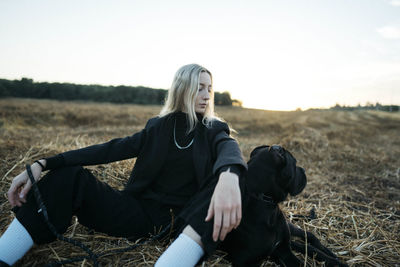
{"type": "Point", "coordinates": [182, 95]}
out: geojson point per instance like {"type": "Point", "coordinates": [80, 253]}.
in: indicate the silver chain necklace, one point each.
{"type": "Point", "coordinates": [176, 143]}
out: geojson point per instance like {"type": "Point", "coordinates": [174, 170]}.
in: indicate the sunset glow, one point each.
{"type": "Point", "coordinates": [278, 55]}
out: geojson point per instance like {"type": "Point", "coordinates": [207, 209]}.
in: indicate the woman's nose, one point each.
{"type": "Point", "coordinates": [206, 95]}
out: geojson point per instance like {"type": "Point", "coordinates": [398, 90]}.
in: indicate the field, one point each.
{"type": "Point", "coordinates": [352, 161]}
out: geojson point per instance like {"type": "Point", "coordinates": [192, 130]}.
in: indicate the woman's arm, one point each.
{"type": "Point", "coordinates": [226, 152]}
{"type": "Point", "coordinates": [226, 203]}
{"type": "Point", "coordinates": [113, 150]}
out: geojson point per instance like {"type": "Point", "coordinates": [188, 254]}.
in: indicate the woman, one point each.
{"type": "Point", "coordinates": [187, 165]}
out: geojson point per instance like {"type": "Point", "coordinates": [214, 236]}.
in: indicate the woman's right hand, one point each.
{"type": "Point", "coordinates": [21, 185]}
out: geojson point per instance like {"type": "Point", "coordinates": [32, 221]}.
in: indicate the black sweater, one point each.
{"type": "Point", "coordinates": [176, 181]}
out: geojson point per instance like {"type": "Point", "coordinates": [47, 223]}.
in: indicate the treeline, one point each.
{"type": "Point", "coordinates": [27, 88]}
{"type": "Point", "coordinates": [368, 106]}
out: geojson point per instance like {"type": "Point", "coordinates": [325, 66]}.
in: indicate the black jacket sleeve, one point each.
{"type": "Point", "coordinates": [237, 169]}
{"type": "Point", "coordinates": [227, 151]}
{"type": "Point", "coordinates": [113, 150]}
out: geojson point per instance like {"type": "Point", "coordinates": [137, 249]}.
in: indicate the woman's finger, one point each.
{"type": "Point", "coordinates": [210, 212]}
{"type": "Point", "coordinates": [238, 215]}
{"type": "Point", "coordinates": [233, 219]}
{"type": "Point", "coordinates": [226, 225]}
{"type": "Point", "coordinates": [24, 191]}
{"type": "Point", "coordinates": [12, 193]}
{"type": "Point", "coordinates": [217, 224]}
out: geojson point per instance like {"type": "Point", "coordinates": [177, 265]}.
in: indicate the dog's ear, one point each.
{"type": "Point", "coordinates": [298, 183]}
{"type": "Point", "coordinates": [294, 178]}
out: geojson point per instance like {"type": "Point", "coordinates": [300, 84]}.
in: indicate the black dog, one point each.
{"type": "Point", "coordinates": [264, 231]}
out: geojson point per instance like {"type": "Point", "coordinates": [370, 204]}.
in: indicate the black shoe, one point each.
{"type": "Point", "coordinates": [3, 264]}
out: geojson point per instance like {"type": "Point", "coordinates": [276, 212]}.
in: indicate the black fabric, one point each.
{"type": "Point", "coordinates": [213, 148]}
{"type": "Point", "coordinates": [183, 137]}
{"type": "Point", "coordinates": [75, 191]}
{"type": "Point", "coordinates": [232, 168]}
{"type": "Point", "coordinates": [127, 213]}
{"type": "Point", "coordinates": [54, 162]}
{"type": "Point", "coordinates": [176, 182]}
{"type": "Point", "coordinates": [195, 212]}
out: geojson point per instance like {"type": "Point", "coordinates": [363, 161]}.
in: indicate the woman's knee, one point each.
{"type": "Point", "coordinates": [60, 186]}
{"type": "Point", "coordinates": [58, 193]}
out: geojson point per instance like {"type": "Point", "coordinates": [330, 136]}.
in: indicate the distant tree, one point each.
{"type": "Point", "coordinates": [368, 106]}
{"type": "Point", "coordinates": [337, 106]}
{"type": "Point", "coordinates": [237, 103]}
{"type": "Point", "coordinates": [223, 99]}
{"type": "Point", "coordinates": [3, 90]}
{"type": "Point", "coordinates": [26, 87]}
{"type": "Point", "coordinates": [116, 94]}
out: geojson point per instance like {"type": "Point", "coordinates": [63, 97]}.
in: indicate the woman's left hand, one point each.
{"type": "Point", "coordinates": [225, 205]}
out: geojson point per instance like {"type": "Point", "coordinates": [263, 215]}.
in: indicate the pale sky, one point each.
{"type": "Point", "coordinates": [277, 55]}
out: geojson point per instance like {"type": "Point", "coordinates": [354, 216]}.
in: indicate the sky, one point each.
{"type": "Point", "coordinates": [275, 55]}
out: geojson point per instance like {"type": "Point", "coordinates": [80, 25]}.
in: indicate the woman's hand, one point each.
{"type": "Point", "coordinates": [21, 185]}
{"type": "Point", "coordinates": [225, 205]}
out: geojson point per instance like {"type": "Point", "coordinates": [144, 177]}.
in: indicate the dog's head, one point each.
{"type": "Point", "coordinates": [272, 171]}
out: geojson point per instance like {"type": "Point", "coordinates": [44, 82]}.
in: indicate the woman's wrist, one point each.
{"type": "Point", "coordinates": [231, 168]}
{"type": "Point", "coordinates": [229, 175]}
{"type": "Point", "coordinates": [41, 163]}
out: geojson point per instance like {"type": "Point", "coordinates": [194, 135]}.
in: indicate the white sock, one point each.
{"type": "Point", "coordinates": [183, 252]}
{"type": "Point", "coordinates": [14, 243]}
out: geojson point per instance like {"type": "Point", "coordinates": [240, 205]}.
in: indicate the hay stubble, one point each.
{"type": "Point", "coordinates": [352, 160]}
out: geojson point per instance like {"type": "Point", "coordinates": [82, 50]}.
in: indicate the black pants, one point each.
{"type": "Point", "coordinates": [75, 191]}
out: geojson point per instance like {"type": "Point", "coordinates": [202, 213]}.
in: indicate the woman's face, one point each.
{"type": "Point", "coordinates": [204, 93]}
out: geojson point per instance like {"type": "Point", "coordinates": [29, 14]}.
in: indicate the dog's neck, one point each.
{"type": "Point", "coordinates": [267, 199]}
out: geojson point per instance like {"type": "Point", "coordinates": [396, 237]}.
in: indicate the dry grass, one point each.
{"type": "Point", "coordinates": [352, 161]}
